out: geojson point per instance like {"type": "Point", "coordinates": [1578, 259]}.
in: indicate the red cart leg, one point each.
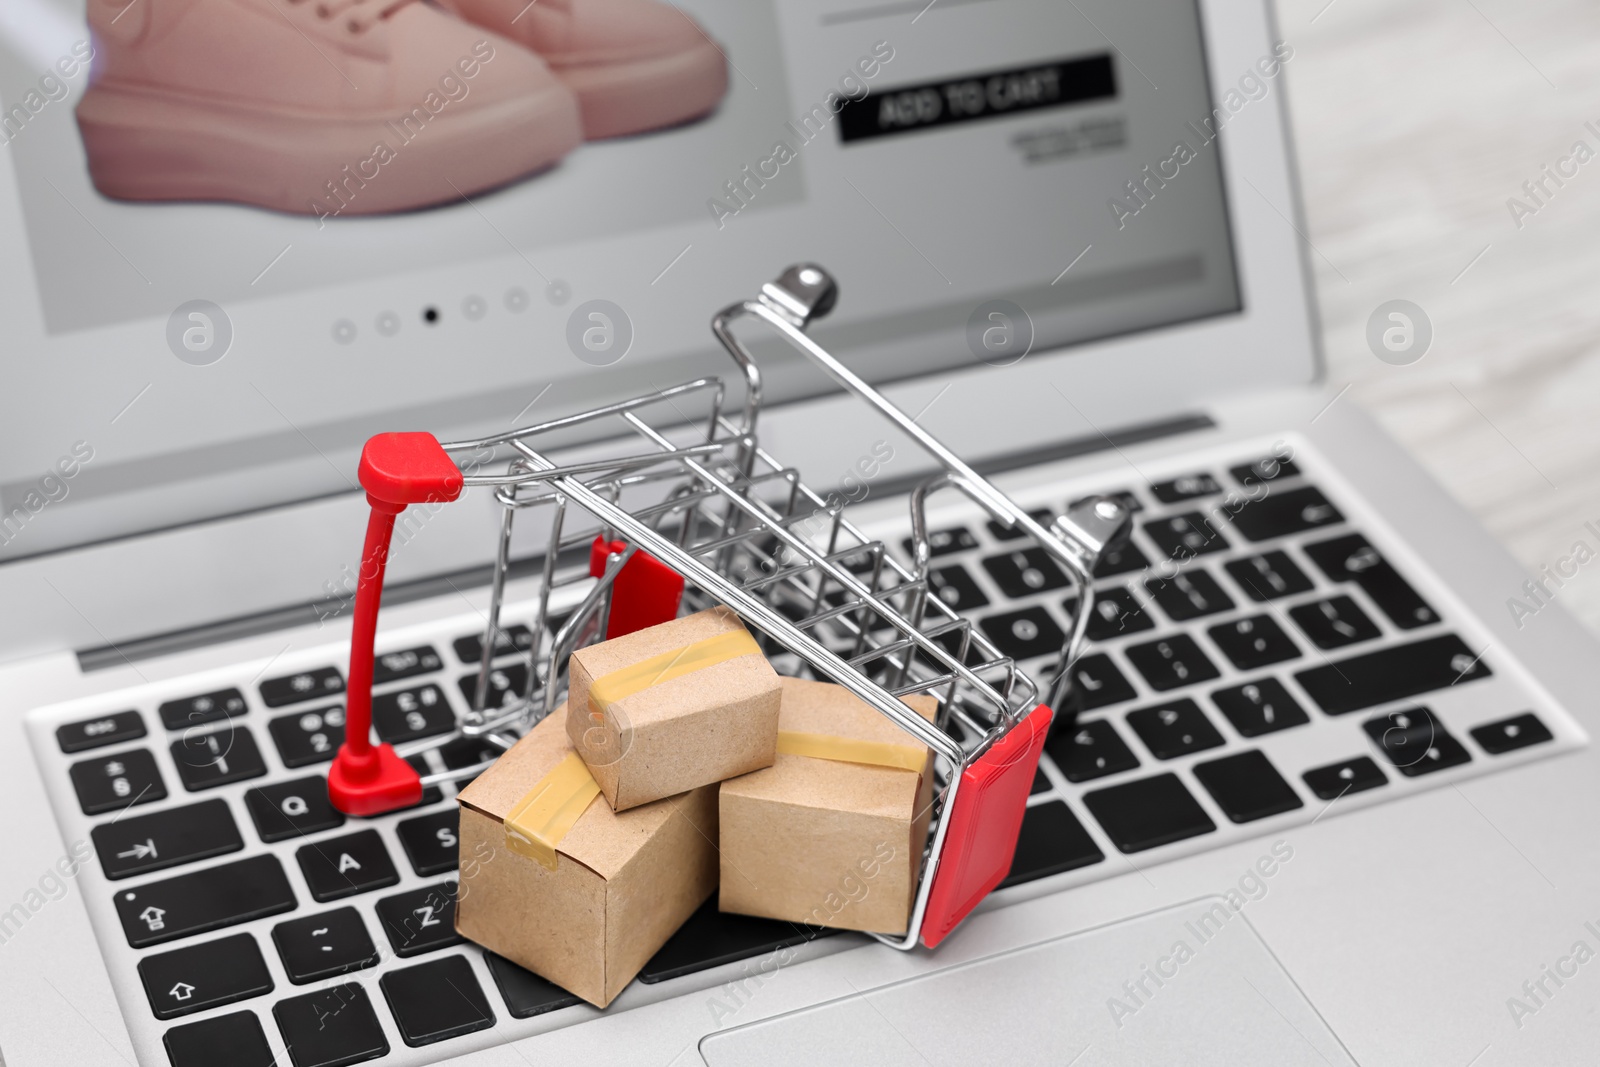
{"type": "Point", "coordinates": [646, 592]}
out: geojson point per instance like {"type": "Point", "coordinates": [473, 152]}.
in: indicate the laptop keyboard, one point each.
{"type": "Point", "coordinates": [1250, 664]}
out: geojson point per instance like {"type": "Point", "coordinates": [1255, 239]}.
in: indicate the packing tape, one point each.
{"type": "Point", "coordinates": [851, 750]}
{"type": "Point", "coordinates": [619, 685]}
{"type": "Point", "coordinates": [537, 823]}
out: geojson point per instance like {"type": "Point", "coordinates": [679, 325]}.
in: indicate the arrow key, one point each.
{"type": "Point", "coordinates": [321, 946]}
{"type": "Point", "coordinates": [197, 977]}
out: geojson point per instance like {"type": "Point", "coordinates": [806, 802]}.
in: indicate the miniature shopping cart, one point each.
{"type": "Point", "coordinates": [693, 512]}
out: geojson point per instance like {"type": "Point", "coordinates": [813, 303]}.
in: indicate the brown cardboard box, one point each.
{"type": "Point", "coordinates": [623, 882]}
{"type": "Point", "coordinates": [672, 731]}
{"type": "Point", "coordinates": [824, 841]}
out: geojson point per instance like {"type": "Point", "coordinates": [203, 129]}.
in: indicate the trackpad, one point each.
{"type": "Point", "coordinates": [1192, 985]}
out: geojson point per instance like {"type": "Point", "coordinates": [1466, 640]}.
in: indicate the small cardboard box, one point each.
{"type": "Point", "coordinates": [826, 841]}
{"type": "Point", "coordinates": [622, 885]}
{"type": "Point", "coordinates": [673, 707]}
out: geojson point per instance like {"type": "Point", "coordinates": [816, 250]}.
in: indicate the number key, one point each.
{"type": "Point", "coordinates": [1185, 536]}
{"type": "Point", "coordinates": [411, 714]}
{"type": "Point", "coordinates": [309, 737]}
{"type": "Point", "coordinates": [110, 783]}
{"type": "Point", "coordinates": [216, 758]}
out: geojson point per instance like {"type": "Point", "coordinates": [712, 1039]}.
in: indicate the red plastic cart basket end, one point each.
{"type": "Point", "coordinates": [373, 783]}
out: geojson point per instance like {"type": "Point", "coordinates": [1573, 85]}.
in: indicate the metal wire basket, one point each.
{"type": "Point", "coordinates": [694, 490]}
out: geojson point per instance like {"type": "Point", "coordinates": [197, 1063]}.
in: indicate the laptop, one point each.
{"type": "Point", "coordinates": [1327, 795]}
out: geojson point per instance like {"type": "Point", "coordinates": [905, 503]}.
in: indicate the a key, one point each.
{"type": "Point", "coordinates": [1334, 623]}
{"type": "Point", "coordinates": [1285, 512]}
{"type": "Point", "coordinates": [1259, 707]}
{"type": "Point", "coordinates": [1266, 469]}
{"type": "Point", "coordinates": [1188, 487]}
{"type": "Point", "coordinates": [420, 920]}
{"type": "Point", "coordinates": [1090, 750]}
{"type": "Point", "coordinates": [117, 781]}
{"type": "Point", "coordinates": [1120, 559]}
{"type": "Point", "coordinates": [945, 542]}
{"type": "Point", "coordinates": [197, 977]}
{"type": "Point", "coordinates": [466, 752]}
{"type": "Point", "coordinates": [1349, 776]}
{"type": "Point", "coordinates": [307, 685]}
{"type": "Point", "coordinates": [1189, 594]}
{"type": "Point", "coordinates": [1051, 841]}
{"type": "Point", "coordinates": [1114, 613]}
{"type": "Point", "coordinates": [526, 994]}
{"type": "Point", "coordinates": [330, 1027]}
{"type": "Point", "coordinates": [1185, 536]}
{"type": "Point", "coordinates": [955, 587]}
{"type": "Point", "coordinates": [236, 1040]}
{"type": "Point", "coordinates": [1170, 663]}
{"type": "Point", "coordinates": [1416, 742]}
{"type": "Point", "coordinates": [308, 737]}
{"type": "Point", "coordinates": [1098, 682]}
{"type": "Point", "coordinates": [711, 938]}
{"type": "Point", "coordinates": [1360, 682]}
{"type": "Point", "coordinates": [207, 707]}
{"type": "Point", "coordinates": [111, 729]}
{"type": "Point", "coordinates": [1041, 784]}
{"type": "Point", "coordinates": [410, 714]}
{"type": "Point", "coordinates": [1353, 559]}
{"type": "Point", "coordinates": [1247, 787]}
{"type": "Point", "coordinates": [507, 639]}
{"type": "Point", "coordinates": [1268, 576]}
{"type": "Point", "coordinates": [1041, 516]}
{"type": "Point", "coordinates": [1024, 634]}
{"type": "Point", "coordinates": [203, 900]}
{"type": "Point", "coordinates": [1507, 735]}
{"type": "Point", "coordinates": [344, 866]}
{"type": "Point", "coordinates": [506, 684]}
{"type": "Point", "coordinates": [207, 760]}
{"type": "Point", "coordinates": [436, 1000]}
{"type": "Point", "coordinates": [1025, 572]}
{"type": "Point", "coordinates": [1148, 813]}
{"type": "Point", "coordinates": [139, 844]}
{"type": "Point", "coordinates": [295, 808]}
{"type": "Point", "coordinates": [406, 663]}
{"type": "Point", "coordinates": [1254, 642]}
{"type": "Point", "coordinates": [432, 842]}
{"type": "Point", "coordinates": [1174, 729]}
{"type": "Point", "coordinates": [322, 946]}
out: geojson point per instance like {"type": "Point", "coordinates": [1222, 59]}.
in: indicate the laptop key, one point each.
{"type": "Point", "coordinates": [406, 663]}
{"type": "Point", "coordinates": [435, 1001]}
{"type": "Point", "coordinates": [1360, 682]}
{"type": "Point", "coordinates": [1027, 571]}
{"type": "Point", "coordinates": [506, 684]}
{"type": "Point", "coordinates": [1353, 559]}
{"type": "Point", "coordinates": [945, 542]}
{"type": "Point", "coordinates": [955, 587]}
{"type": "Point", "coordinates": [331, 1027]}
{"type": "Point", "coordinates": [525, 993]}
{"type": "Point", "coordinates": [1042, 516]}
{"type": "Point", "coordinates": [1416, 742]}
{"type": "Point", "coordinates": [1260, 707]}
{"type": "Point", "coordinates": [1120, 559]}
{"type": "Point", "coordinates": [1269, 576]}
{"type": "Point", "coordinates": [207, 707]}
{"type": "Point", "coordinates": [1254, 642]}
{"type": "Point", "coordinates": [309, 737]}
{"type": "Point", "coordinates": [1190, 594]}
{"type": "Point", "coordinates": [295, 808]}
{"type": "Point", "coordinates": [140, 844]}
{"type": "Point", "coordinates": [307, 685]}
{"type": "Point", "coordinates": [507, 639]}
{"type": "Point", "coordinates": [1099, 683]}
{"type": "Point", "coordinates": [411, 714]}
{"type": "Point", "coordinates": [1507, 735]}
{"type": "Point", "coordinates": [1115, 613]}
{"type": "Point", "coordinates": [1187, 487]}
{"type": "Point", "coordinates": [1334, 623]}
{"type": "Point", "coordinates": [1051, 841]}
{"type": "Point", "coordinates": [420, 920]}
{"type": "Point", "coordinates": [197, 977]}
{"type": "Point", "coordinates": [1349, 776]}
{"type": "Point", "coordinates": [203, 900]}
{"type": "Point", "coordinates": [323, 946]}
{"type": "Point", "coordinates": [344, 866]}
{"type": "Point", "coordinates": [1090, 750]}
{"type": "Point", "coordinates": [432, 842]}
{"type": "Point", "coordinates": [1173, 662]}
{"type": "Point", "coordinates": [711, 938]}
{"type": "Point", "coordinates": [219, 757]}
{"type": "Point", "coordinates": [1148, 813]}
{"type": "Point", "coordinates": [117, 781]}
{"type": "Point", "coordinates": [1279, 514]}
{"type": "Point", "coordinates": [105, 730]}
{"type": "Point", "coordinates": [1174, 729]}
{"type": "Point", "coordinates": [236, 1040]}
{"type": "Point", "coordinates": [466, 752]}
{"type": "Point", "coordinates": [1185, 536]}
{"type": "Point", "coordinates": [1024, 634]}
{"type": "Point", "coordinates": [1266, 469]}
{"type": "Point", "coordinates": [1247, 787]}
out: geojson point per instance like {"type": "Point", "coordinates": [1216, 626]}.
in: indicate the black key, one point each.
{"type": "Point", "coordinates": [1260, 707]}
{"type": "Point", "coordinates": [292, 809]}
{"type": "Point", "coordinates": [344, 866]}
{"type": "Point", "coordinates": [1416, 742]}
{"type": "Point", "coordinates": [307, 685]}
{"type": "Point", "coordinates": [1269, 576]}
{"type": "Point", "coordinates": [206, 760]}
{"type": "Point", "coordinates": [1173, 662]}
{"type": "Point", "coordinates": [945, 542]}
{"type": "Point", "coordinates": [1052, 840]}
{"type": "Point", "coordinates": [466, 752]}
{"type": "Point", "coordinates": [1174, 729]}
{"type": "Point", "coordinates": [1189, 594]}
{"type": "Point", "coordinates": [1287, 512]}
{"type": "Point", "coordinates": [197, 977]}
{"type": "Point", "coordinates": [432, 842]}
{"type": "Point", "coordinates": [1040, 515]}
{"type": "Point", "coordinates": [1254, 642]}
{"type": "Point", "coordinates": [1120, 559]}
{"type": "Point", "coordinates": [435, 1001]}
{"type": "Point", "coordinates": [1361, 682]}
{"type": "Point", "coordinates": [1114, 613]}
{"type": "Point", "coordinates": [955, 587]}
{"type": "Point", "coordinates": [420, 920]}
{"type": "Point", "coordinates": [203, 900]}
{"type": "Point", "coordinates": [410, 714]}
{"type": "Point", "coordinates": [509, 639]}
{"type": "Point", "coordinates": [140, 844]}
{"type": "Point", "coordinates": [1247, 787]}
{"type": "Point", "coordinates": [309, 737]}
{"type": "Point", "coordinates": [1350, 776]}
{"type": "Point", "coordinates": [1334, 623]}
{"type": "Point", "coordinates": [1041, 784]}
{"type": "Point", "coordinates": [1090, 750]}
{"type": "Point", "coordinates": [1266, 469]}
{"type": "Point", "coordinates": [111, 729]}
{"type": "Point", "coordinates": [1185, 536]}
{"type": "Point", "coordinates": [322, 946]}
{"type": "Point", "coordinates": [331, 1027]}
{"type": "Point", "coordinates": [1187, 487]}
{"type": "Point", "coordinates": [525, 993]}
{"type": "Point", "coordinates": [711, 938]}
{"type": "Point", "coordinates": [236, 1040]}
{"type": "Point", "coordinates": [1024, 634]}
{"type": "Point", "coordinates": [1025, 572]}
{"type": "Point", "coordinates": [117, 781]}
{"type": "Point", "coordinates": [207, 707]}
{"type": "Point", "coordinates": [506, 684]}
{"type": "Point", "coordinates": [407, 663]}
{"type": "Point", "coordinates": [1353, 559]}
{"type": "Point", "coordinates": [1098, 682]}
{"type": "Point", "coordinates": [1124, 497]}
{"type": "Point", "coordinates": [1507, 735]}
{"type": "Point", "coordinates": [1148, 813]}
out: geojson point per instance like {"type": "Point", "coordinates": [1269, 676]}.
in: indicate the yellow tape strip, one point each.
{"type": "Point", "coordinates": [538, 822]}
{"type": "Point", "coordinates": [851, 750]}
{"type": "Point", "coordinates": [619, 685]}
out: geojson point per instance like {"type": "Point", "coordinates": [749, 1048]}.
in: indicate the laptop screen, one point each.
{"type": "Point", "coordinates": [240, 236]}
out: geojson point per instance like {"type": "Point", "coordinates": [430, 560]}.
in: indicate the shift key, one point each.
{"type": "Point", "coordinates": [204, 900]}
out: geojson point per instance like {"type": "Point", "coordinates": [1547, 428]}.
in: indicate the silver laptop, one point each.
{"type": "Point", "coordinates": [1330, 796]}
